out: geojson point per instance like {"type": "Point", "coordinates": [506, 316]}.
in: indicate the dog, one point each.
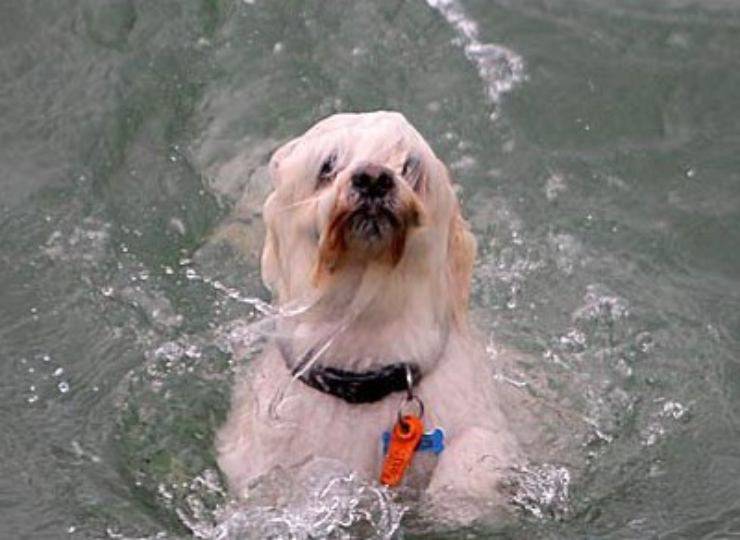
{"type": "Point", "coordinates": [369, 261]}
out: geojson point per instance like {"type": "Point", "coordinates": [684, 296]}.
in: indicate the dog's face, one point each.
{"type": "Point", "coordinates": [358, 191]}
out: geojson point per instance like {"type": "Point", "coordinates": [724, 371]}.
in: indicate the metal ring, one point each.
{"type": "Point", "coordinates": [410, 384]}
{"type": "Point", "coordinates": [418, 401]}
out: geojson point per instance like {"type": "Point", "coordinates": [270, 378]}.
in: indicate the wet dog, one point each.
{"type": "Point", "coordinates": [370, 261]}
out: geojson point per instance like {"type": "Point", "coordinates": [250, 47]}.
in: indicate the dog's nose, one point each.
{"type": "Point", "coordinates": [372, 181]}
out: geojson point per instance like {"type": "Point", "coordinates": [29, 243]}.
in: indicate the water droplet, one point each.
{"type": "Point", "coordinates": [554, 185]}
{"type": "Point", "coordinates": [508, 146]}
{"type": "Point", "coordinates": [674, 409]}
{"type": "Point", "coordinates": [193, 352]}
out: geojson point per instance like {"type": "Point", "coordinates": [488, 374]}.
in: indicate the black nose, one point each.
{"type": "Point", "coordinates": [372, 181]}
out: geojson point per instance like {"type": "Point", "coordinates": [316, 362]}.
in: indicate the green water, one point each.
{"type": "Point", "coordinates": [597, 149]}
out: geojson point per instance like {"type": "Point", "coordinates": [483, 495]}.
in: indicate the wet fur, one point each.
{"type": "Point", "coordinates": [335, 243]}
{"type": "Point", "coordinates": [403, 298]}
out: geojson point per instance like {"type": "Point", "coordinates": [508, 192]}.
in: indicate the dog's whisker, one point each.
{"type": "Point", "coordinates": [266, 326]}
{"type": "Point", "coordinates": [356, 308]}
{"type": "Point", "coordinates": [294, 309]}
{"type": "Point", "coordinates": [278, 400]}
{"type": "Point", "coordinates": [305, 365]}
{"type": "Point", "coordinates": [291, 310]}
{"type": "Point", "coordinates": [279, 397]}
{"type": "Point", "coordinates": [298, 204]}
{"type": "Point", "coordinates": [308, 363]}
{"type": "Point", "coordinates": [366, 292]}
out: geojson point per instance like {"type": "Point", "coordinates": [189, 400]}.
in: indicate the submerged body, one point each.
{"type": "Point", "coordinates": [365, 234]}
{"type": "Point", "coordinates": [262, 434]}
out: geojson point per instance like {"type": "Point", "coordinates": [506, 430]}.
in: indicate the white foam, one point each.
{"type": "Point", "coordinates": [500, 69]}
{"type": "Point", "coordinates": [322, 501]}
{"type": "Point", "coordinates": [542, 490]}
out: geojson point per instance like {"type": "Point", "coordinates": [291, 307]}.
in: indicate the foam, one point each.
{"type": "Point", "coordinates": [500, 69]}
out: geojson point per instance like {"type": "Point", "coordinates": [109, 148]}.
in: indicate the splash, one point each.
{"type": "Point", "coordinates": [325, 501]}
{"type": "Point", "coordinates": [499, 68]}
{"type": "Point", "coordinates": [542, 490]}
{"type": "Point", "coordinates": [660, 421]}
{"type": "Point", "coordinates": [86, 243]}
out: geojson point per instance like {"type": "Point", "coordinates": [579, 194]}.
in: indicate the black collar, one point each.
{"type": "Point", "coordinates": [352, 386]}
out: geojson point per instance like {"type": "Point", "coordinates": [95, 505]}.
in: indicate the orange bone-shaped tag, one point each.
{"type": "Point", "coordinates": [404, 439]}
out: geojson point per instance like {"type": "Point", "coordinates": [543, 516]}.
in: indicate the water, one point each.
{"type": "Point", "coordinates": [596, 148]}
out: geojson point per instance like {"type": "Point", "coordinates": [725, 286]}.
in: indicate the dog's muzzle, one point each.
{"type": "Point", "coordinates": [373, 182]}
{"type": "Point", "coordinates": [373, 190]}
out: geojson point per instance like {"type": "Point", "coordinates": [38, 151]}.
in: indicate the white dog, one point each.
{"type": "Point", "coordinates": [370, 260]}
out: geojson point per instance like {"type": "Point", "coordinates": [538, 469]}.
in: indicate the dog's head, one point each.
{"type": "Point", "coordinates": [360, 191]}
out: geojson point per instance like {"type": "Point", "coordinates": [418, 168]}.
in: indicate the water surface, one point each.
{"type": "Point", "coordinates": [596, 149]}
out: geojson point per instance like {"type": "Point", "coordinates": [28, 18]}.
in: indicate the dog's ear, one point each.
{"type": "Point", "coordinates": [461, 257]}
{"type": "Point", "coordinates": [270, 263]}
{"type": "Point", "coordinates": [277, 159]}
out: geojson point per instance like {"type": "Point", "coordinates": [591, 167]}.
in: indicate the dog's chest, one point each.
{"type": "Point", "coordinates": [419, 474]}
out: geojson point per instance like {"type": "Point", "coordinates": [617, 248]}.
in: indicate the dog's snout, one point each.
{"type": "Point", "coordinates": [372, 181]}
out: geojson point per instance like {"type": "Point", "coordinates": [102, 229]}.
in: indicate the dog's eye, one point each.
{"type": "Point", "coordinates": [411, 172]}
{"type": "Point", "coordinates": [327, 170]}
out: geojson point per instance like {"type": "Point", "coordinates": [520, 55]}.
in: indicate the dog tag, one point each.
{"type": "Point", "coordinates": [432, 441]}
{"type": "Point", "coordinates": [404, 440]}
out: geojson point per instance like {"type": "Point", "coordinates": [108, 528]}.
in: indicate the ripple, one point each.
{"type": "Point", "coordinates": [500, 69]}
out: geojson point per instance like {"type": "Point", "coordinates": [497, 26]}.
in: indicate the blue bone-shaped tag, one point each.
{"type": "Point", "coordinates": [431, 441]}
